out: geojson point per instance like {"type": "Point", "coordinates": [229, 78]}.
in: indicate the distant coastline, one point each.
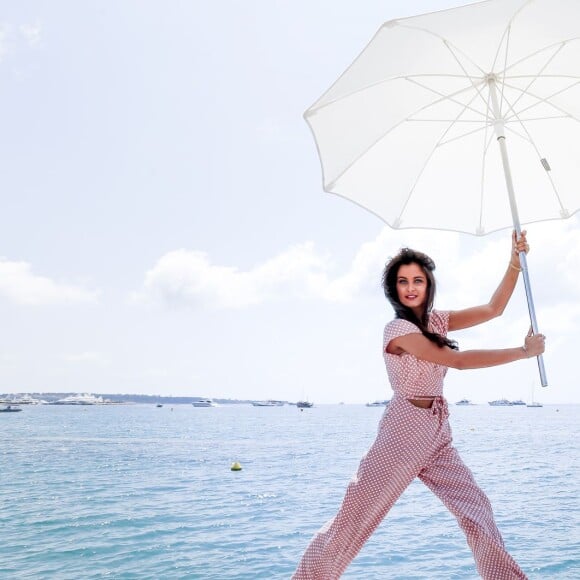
{"type": "Point", "coordinates": [129, 398]}
{"type": "Point", "coordinates": [120, 398]}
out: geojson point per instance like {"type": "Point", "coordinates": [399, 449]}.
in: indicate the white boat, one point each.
{"type": "Point", "coordinates": [501, 403]}
{"type": "Point", "coordinates": [534, 403]}
{"type": "Point", "coordinates": [8, 400]}
{"type": "Point", "coordinates": [518, 402]}
{"type": "Point", "coordinates": [269, 403]}
{"type": "Point", "coordinates": [21, 400]}
{"type": "Point", "coordinates": [304, 404]}
{"type": "Point", "coordinates": [204, 403]}
{"type": "Point", "coordinates": [26, 399]}
{"type": "Point", "coordinates": [378, 403]}
{"type": "Point", "coordinates": [86, 399]}
{"type": "Point", "coordinates": [464, 402]}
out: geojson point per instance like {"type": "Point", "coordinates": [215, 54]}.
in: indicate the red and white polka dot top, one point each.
{"type": "Point", "coordinates": [410, 376]}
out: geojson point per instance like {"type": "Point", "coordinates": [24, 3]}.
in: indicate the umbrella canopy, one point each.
{"type": "Point", "coordinates": [408, 130]}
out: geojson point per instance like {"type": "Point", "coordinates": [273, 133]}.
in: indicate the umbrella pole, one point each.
{"type": "Point", "coordinates": [500, 132]}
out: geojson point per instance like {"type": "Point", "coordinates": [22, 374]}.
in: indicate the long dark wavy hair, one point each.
{"type": "Point", "coordinates": [405, 257]}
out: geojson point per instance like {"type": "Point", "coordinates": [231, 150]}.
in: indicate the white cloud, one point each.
{"type": "Point", "coordinates": [20, 285]}
{"type": "Point", "coordinates": [11, 37]}
{"type": "Point", "coordinates": [183, 277]}
{"type": "Point", "coordinates": [31, 33]}
{"type": "Point", "coordinates": [468, 273]}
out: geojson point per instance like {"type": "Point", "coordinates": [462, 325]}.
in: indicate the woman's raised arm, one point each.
{"type": "Point", "coordinates": [459, 319]}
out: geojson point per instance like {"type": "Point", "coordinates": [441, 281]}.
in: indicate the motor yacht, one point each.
{"type": "Point", "coordinates": [378, 403]}
{"type": "Point", "coordinates": [268, 403]}
{"type": "Point", "coordinates": [85, 399]}
{"type": "Point", "coordinates": [204, 403]}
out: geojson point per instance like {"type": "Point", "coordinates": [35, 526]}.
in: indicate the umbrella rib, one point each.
{"type": "Point", "coordinates": [576, 77]}
{"type": "Point", "coordinates": [456, 138]}
{"type": "Point", "coordinates": [508, 32]}
{"type": "Point", "coordinates": [563, 210]}
{"type": "Point", "coordinates": [474, 85]}
{"type": "Point", "coordinates": [440, 75]}
{"type": "Point", "coordinates": [547, 118]}
{"type": "Point", "coordinates": [486, 125]}
{"type": "Point", "coordinates": [540, 50]}
{"type": "Point", "coordinates": [544, 100]}
{"type": "Point", "coordinates": [444, 121]}
{"type": "Point", "coordinates": [564, 115]}
{"type": "Point", "coordinates": [518, 134]}
{"type": "Point", "coordinates": [534, 79]}
{"type": "Point", "coordinates": [421, 171]}
{"type": "Point", "coordinates": [444, 97]}
{"type": "Point", "coordinates": [447, 44]}
{"type": "Point", "coordinates": [315, 109]}
{"type": "Point", "coordinates": [331, 183]}
{"type": "Point", "coordinates": [558, 47]}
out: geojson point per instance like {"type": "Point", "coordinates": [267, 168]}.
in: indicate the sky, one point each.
{"type": "Point", "coordinates": [163, 226]}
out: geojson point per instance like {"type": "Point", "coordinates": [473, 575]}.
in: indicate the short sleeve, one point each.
{"type": "Point", "coordinates": [439, 321]}
{"type": "Point", "coordinates": [398, 327]}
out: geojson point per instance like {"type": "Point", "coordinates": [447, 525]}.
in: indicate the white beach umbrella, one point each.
{"type": "Point", "coordinates": [409, 129]}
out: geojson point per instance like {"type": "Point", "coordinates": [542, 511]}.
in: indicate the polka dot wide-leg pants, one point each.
{"type": "Point", "coordinates": [411, 442]}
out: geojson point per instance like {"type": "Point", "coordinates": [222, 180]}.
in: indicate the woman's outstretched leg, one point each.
{"type": "Point", "coordinates": [393, 461]}
{"type": "Point", "coordinates": [449, 478]}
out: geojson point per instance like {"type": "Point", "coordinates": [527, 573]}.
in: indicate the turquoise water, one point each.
{"type": "Point", "coordinates": [143, 492]}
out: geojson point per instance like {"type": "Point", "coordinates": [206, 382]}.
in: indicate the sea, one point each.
{"type": "Point", "coordinates": [137, 491]}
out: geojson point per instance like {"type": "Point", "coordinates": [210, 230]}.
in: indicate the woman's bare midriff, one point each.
{"type": "Point", "coordinates": [424, 403]}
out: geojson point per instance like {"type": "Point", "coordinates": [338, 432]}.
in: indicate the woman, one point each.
{"type": "Point", "coordinates": [414, 436]}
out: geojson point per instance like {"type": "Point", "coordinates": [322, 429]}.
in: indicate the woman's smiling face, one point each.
{"type": "Point", "coordinates": [412, 287]}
